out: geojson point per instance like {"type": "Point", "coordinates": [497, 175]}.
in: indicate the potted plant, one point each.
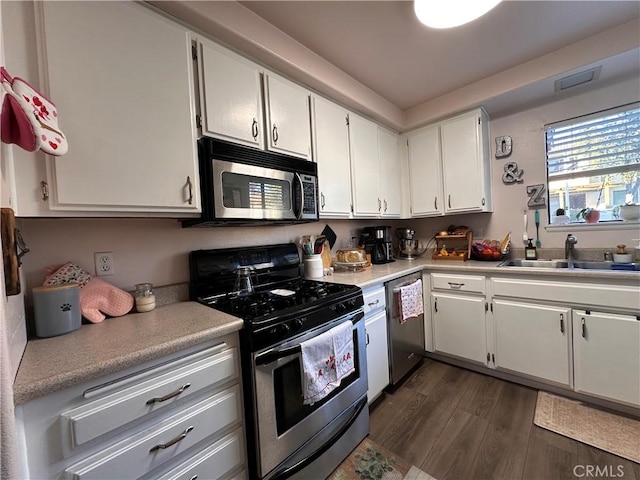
{"type": "Point", "coordinates": [592, 215]}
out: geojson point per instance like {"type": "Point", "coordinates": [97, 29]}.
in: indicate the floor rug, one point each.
{"type": "Point", "coordinates": [607, 431]}
{"type": "Point", "coordinates": [370, 461]}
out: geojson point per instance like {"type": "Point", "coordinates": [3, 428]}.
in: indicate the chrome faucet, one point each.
{"type": "Point", "coordinates": [568, 246]}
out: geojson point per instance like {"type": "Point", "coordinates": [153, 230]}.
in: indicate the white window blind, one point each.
{"type": "Point", "coordinates": [604, 143]}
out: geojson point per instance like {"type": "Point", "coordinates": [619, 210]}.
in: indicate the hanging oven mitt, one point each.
{"type": "Point", "coordinates": [29, 119]}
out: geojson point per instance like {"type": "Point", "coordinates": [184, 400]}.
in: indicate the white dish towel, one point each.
{"type": "Point", "coordinates": [410, 301]}
{"type": "Point", "coordinates": [326, 360]}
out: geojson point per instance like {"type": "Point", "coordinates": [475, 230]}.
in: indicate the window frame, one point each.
{"type": "Point", "coordinates": [606, 224]}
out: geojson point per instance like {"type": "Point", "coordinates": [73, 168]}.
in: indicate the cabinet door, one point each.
{"type": "Point", "coordinates": [288, 117]}
{"type": "Point", "coordinates": [606, 349]}
{"type": "Point", "coordinates": [459, 325]}
{"type": "Point", "coordinates": [425, 173]}
{"type": "Point", "coordinates": [331, 141]}
{"type": "Point", "coordinates": [533, 339]}
{"type": "Point", "coordinates": [122, 79]}
{"type": "Point", "coordinates": [230, 96]}
{"type": "Point", "coordinates": [377, 354]}
{"type": "Point", "coordinates": [389, 173]}
{"type": "Point", "coordinates": [363, 143]}
{"type": "Point", "coordinates": [462, 163]}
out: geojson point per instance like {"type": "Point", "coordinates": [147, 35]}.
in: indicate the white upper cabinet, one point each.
{"type": "Point", "coordinates": [288, 117]}
{"type": "Point", "coordinates": [425, 172]}
{"type": "Point", "coordinates": [466, 164]}
{"type": "Point", "coordinates": [390, 173]}
{"type": "Point", "coordinates": [449, 166]}
{"type": "Point", "coordinates": [331, 152]}
{"type": "Point", "coordinates": [363, 138]}
{"type": "Point", "coordinates": [121, 77]}
{"type": "Point", "coordinates": [230, 96]}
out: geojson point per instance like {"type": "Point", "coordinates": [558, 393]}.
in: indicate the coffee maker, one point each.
{"type": "Point", "coordinates": [377, 242]}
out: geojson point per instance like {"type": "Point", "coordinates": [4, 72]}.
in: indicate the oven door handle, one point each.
{"type": "Point", "coordinates": [286, 472]}
{"type": "Point", "coordinates": [273, 355]}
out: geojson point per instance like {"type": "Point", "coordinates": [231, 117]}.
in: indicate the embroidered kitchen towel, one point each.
{"type": "Point", "coordinates": [410, 301]}
{"type": "Point", "coordinates": [318, 368]}
{"type": "Point", "coordinates": [343, 349]}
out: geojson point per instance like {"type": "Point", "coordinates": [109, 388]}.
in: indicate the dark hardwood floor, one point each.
{"type": "Point", "coordinates": [456, 424]}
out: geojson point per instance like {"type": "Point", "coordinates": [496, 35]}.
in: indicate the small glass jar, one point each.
{"type": "Point", "coordinates": [145, 299]}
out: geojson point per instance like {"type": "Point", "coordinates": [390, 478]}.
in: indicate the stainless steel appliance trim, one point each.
{"type": "Point", "coordinates": [274, 449]}
{"type": "Point", "coordinates": [406, 341]}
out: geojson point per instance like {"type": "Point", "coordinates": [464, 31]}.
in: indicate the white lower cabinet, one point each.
{"type": "Point", "coordinates": [459, 325]}
{"type": "Point", "coordinates": [377, 341]}
{"type": "Point", "coordinates": [606, 349]}
{"type": "Point", "coordinates": [533, 339]}
{"type": "Point", "coordinates": [163, 419]}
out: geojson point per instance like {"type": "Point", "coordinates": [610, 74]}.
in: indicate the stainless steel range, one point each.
{"type": "Point", "coordinates": [280, 309]}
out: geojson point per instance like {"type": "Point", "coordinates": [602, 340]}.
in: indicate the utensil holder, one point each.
{"type": "Point", "coordinates": [313, 267]}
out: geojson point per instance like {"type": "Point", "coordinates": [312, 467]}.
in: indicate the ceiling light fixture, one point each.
{"type": "Point", "coordinates": [451, 13]}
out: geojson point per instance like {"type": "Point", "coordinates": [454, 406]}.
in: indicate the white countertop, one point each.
{"type": "Point", "coordinates": [382, 273]}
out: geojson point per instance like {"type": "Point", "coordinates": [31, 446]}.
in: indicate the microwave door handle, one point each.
{"type": "Point", "coordinates": [299, 214]}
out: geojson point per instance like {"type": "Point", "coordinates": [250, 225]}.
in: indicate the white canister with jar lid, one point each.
{"type": "Point", "coordinates": [313, 266]}
{"type": "Point", "coordinates": [145, 298]}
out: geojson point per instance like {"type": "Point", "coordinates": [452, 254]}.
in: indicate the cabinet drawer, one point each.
{"type": "Point", "coordinates": [215, 461]}
{"type": "Point", "coordinates": [374, 299]}
{"type": "Point", "coordinates": [459, 283]}
{"type": "Point", "coordinates": [150, 448]}
{"type": "Point", "coordinates": [139, 395]}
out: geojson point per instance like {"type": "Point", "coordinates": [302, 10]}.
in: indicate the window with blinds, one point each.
{"type": "Point", "coordinates": [593, 162]}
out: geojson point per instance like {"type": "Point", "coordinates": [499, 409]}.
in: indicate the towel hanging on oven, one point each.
{"type": "Point", "coordinates": [326, 359]}
{"type": "Point", "coordinates": [29, 119]}
{"type": "Point", "coordinates": [409, 301]}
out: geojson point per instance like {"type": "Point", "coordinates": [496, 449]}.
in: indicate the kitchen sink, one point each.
{"type": "Point", "coordinates": [577, 264]}
{"type": "Point", "coordinates": [535, 263]}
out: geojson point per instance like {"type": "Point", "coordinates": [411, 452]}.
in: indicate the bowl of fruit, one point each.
{"type": "Point", "coordinates": [491, 250]}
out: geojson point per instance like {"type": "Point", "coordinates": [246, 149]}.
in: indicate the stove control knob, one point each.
{"type": "Point", "coordinates": [297, 325]}
{"type": "Point", "coordinates": [341, 308]}
{"type": "Point", "coordinates": [285, 328]}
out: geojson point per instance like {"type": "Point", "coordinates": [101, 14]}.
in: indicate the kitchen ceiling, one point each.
{"type": "Point", "coordinates": [382, 45]}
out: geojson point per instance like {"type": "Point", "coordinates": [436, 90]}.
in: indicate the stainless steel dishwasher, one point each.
{"type": "Point", "coordinates": [406, 339]}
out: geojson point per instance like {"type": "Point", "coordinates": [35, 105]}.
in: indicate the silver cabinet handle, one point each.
{"type": "Point", "coordinates": [195, 477]}
{"type": "Point", "coordinates": [254, 129]}
{"type": "Point", "coordinates": [561, 323]}
{"type": "Point", "coordinates": [322, 203]}
{"type": "Point", "coordinates": [190, 187]}
{"type": "Point", "coordinates": [379, 205]}
{"type": "Point", "coordinates": [583, 328]}
{"type": "Point", "coordinates": [44, 186]}
{"type": "Point", "coordinates": [371, 304]}
{"type": "Point", "coordinates": [169, 395]}
{"type": "Point", "coordinates": [274, 135]}
{"type": "Point", "coordinates": [385, 204]}
{"type": "Point", "coordinates": [449, 201]}
{"type": "Point", "coordinates": [435, 305]}
{"type": "Point", "coordinates": [456, 285]}
{"type": "Point", "coordinates": [435, 203]}
{"type": "Point", "coordinates": [162, 446]}
{"type": "Point", "coordinates": [367, 337]}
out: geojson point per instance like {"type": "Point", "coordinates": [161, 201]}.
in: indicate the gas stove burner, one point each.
{"type": "Point", "coordinates": [296, 292]}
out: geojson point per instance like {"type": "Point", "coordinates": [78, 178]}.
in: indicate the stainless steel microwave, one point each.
{"type": "Point", "coordinates": [243, 185]}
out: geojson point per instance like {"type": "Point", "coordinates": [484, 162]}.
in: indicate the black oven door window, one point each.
{"type": "Point", "coordinates": [287, 384]}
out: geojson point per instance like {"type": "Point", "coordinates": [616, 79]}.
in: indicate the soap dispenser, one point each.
{"type": "Point", "coordinates": [530, 252]}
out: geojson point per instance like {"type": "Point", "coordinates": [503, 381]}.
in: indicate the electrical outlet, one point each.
{"type": "Point", "coordinates": [104, 263]}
